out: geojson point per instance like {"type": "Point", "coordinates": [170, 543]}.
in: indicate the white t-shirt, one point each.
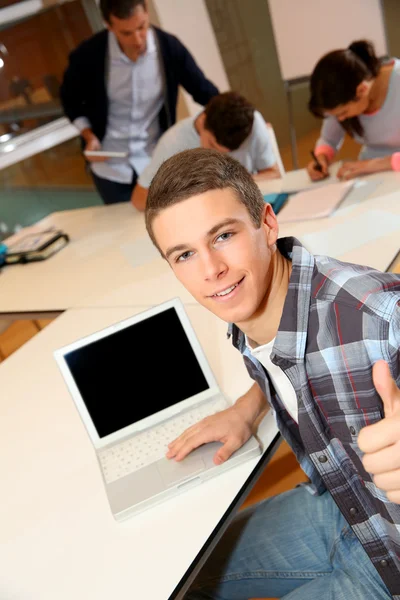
{"type": "Point", "coordinates": [255, 154]}
{"type": "Point", "coordinates": [281, 383]}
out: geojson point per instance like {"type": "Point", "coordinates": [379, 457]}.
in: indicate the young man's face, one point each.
{"type": "Point", "coordinates": [131, 33]}
{"type": "Point", "coordinates": [218, 254]}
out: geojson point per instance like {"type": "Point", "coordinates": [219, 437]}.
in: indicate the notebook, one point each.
{"type": "Point", "coordinates": [137, 386]}
{"type": "Point", "coordinates": [34, 246]}
{"type": "Point", "coordinates": [316, 203]}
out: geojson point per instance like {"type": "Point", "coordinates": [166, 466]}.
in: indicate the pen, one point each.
{"type": "Point", "coordinates": [318, 165]}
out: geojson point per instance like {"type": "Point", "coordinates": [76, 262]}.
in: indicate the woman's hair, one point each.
{"type": "Point", "coordinates": [336, 77]}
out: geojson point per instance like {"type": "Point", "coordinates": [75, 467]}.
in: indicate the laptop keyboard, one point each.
{"type": "Point", "coordinates": [151, 445]}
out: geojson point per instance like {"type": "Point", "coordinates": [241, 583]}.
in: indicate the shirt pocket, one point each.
{"type": "Point", "coordinates": [345, 426]}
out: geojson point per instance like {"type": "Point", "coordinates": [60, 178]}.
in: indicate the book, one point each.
{"type": "Point", "coordinates": [34, 246]}
{"type": "Point", "coordinates": [315, 204]}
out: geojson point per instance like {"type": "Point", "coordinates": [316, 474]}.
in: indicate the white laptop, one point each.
{"type": "Point", "coordinates": [137, 385]}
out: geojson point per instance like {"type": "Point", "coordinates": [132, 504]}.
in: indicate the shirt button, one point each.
{"type": "Point", "coordinates": [352, 430]}
{"type": "Point", "coordinates": [353, 511]}
{"type": "Point", "coordinates": [322, 458]}
{"type": "Point", "coordinates": [383, 563]}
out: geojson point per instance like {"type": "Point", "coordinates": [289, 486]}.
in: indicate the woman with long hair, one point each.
{"type": "Point", "coordinates": [356, 93]}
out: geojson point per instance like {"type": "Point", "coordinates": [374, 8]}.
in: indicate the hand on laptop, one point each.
{"type": "Point", "coordinates": [232, 427]}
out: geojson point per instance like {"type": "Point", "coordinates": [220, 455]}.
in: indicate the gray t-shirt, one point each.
{"type": "Point", "coordinates": [255, 154]}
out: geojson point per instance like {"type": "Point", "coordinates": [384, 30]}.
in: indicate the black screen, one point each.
{"type": "Point", "coordinates": [136, 372]}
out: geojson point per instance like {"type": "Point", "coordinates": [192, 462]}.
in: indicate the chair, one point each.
{"type": "Point", "coordinates": [276, 150]}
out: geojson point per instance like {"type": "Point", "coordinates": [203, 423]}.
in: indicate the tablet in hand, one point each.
{"type": "Point", "coordinates": [105, 154]}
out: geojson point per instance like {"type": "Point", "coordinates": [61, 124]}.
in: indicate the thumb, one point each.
{"type": "Point", "coordinates": [386, 388]}
{"type": "Point", "coordinates": [225, 451]}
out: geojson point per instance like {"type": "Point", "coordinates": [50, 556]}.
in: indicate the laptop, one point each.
{"type": "Point", "coordinates": [137, 385]}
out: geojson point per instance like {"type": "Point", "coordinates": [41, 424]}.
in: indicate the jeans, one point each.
{"type": "Point", "coordinates": [112, 192]}
{"type": "Point", "coordinates": [294, 546]}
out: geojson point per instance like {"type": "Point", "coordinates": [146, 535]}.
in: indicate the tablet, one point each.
{"type": "Point", "coordinates": [105, 153]}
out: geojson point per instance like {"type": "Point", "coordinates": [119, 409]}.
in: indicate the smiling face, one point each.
{"type": "Point", "coordinates": [217, 252]}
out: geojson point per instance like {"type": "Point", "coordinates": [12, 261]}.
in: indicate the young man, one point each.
{"type": "Point", "coordinates": [120, 89]}
{"type": "Point", "coordinates": [314, 333]}
{"type": "Point", "coordinates": [229, 124]}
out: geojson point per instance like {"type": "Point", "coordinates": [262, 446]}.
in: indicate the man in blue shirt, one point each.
{"type": "Point", "coordinates": [120, 90]}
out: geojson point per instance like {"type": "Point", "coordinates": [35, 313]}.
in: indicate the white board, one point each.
{"type": "Point", "coordinates": [305, 30]}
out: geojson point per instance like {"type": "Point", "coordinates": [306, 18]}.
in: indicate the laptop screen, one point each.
{"type": "Point", "coordinates": [136, 372]}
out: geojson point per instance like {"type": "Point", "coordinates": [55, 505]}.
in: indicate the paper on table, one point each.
{"type": "Point", "coordinates": [351, 234]}
{"type": "Point", "coordinates": [297, 181]}
{"type": "Point", "coordinates": [39, 228]}
{"type": "Point", "coordinates": [315, 204]}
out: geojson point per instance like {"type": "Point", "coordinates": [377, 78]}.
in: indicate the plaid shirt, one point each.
{"type": "Point", "coordinates": [337, 321]}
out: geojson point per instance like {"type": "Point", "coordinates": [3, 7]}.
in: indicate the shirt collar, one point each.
{"type": "Point", "coordinates": [290, 341]}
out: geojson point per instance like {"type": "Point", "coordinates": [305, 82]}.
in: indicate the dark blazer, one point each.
{"type": "Point", "coordinates": [84, 88]}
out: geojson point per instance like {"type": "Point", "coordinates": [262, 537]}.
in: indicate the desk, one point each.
{"type": "Point", "coordinates": [111, 262]}
{"type": "Point", "coordinates": [109, 247]}
{"type": "Point", "coordinates": [58, 537]}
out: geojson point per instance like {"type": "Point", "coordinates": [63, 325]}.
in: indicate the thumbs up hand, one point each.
{"type": "Point", "coordinates": [381, 441]}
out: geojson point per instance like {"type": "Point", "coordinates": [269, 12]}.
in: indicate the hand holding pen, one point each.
{"type": "Point", "coordinates": [318, 168]}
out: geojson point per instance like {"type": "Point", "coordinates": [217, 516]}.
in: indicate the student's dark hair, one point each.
{"type": "Point", "coordinates": [335, 79]}
{"type": "Point", "coordinates": [122, 9]}
{"type": "Point", "coordinates": [229, 117]}
{"type": "Point", "coordinates": [197, 171]}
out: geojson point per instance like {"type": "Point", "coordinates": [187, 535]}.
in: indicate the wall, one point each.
{"type": "Point", "coordinates": [40, 45]}
{"type": "Point", "coordinates": [392, 19]}
{"type": "Point", "coordinates": [190, 22]}
{"type": "Point", "coordinates": [245, 38]}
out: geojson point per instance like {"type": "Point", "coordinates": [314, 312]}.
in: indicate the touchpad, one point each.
{"type": "Point", "coordinates": [172, 472]}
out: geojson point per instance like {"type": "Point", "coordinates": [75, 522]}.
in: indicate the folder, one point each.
{"type": "Point", "coordinates": [317, 203]}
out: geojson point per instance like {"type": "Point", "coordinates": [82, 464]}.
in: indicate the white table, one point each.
{"type": "Point", "coordinates": [108, 245]}
{"type": "Point", "coordinates": [377, 248]}
{"type": "Point", "coordinates": [111, 258]}
{"type": "Point", "coordinates": [58, 538]}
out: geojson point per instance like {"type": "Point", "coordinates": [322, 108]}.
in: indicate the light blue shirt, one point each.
{"type": "Point", "coordinates": [135, 96]}
{"type": "Point", "coordinates": [381, 128]}
{"type": "Point", "coordinates": [255, 154]}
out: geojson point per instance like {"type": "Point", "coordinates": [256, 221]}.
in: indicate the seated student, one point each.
{"type": "Point", "coordinates": [357, 94]}
{"type": "Point", "coordinates": [313, 332]}
{"type": "Point", "coordinates": [229, 123]}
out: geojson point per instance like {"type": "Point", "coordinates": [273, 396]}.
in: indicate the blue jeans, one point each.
{"type": "Point", "coordinates": [294, 546]}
